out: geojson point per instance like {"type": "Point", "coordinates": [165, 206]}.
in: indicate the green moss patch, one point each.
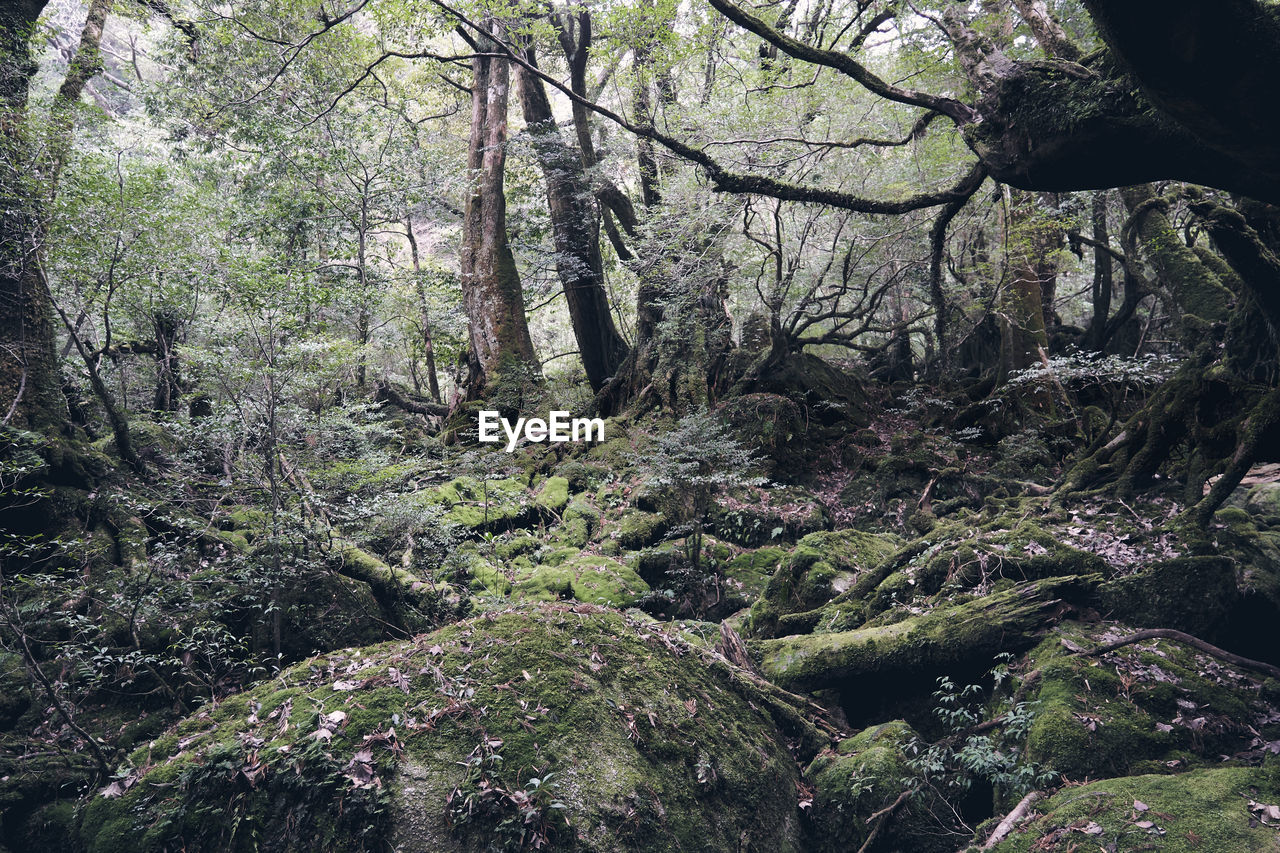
{"type": "Point", "coordinates": [1188, 813]}
{"type": "Point", "coordinates": [646, 743]}
{"type": "Point", "coordinates": [585, 577]}
{"type": "Point", "coordinates": [1156, 704]}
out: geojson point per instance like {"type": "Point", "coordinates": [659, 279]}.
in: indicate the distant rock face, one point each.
{"type": "Point", "coordinates": [551, 723]}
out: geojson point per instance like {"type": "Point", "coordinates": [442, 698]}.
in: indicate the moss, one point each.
{"type": "Point", "coordinates": [1193, 594]}
{"type": "Point", "coordinates": [862, 776]}
{"type": "Point", "coordinates": [749, 572]}
{"type": "Point", "coordinates": [1191, 812]}
{"type": "Point", "coordinates": [487, 578]}
{"type": "Point", "coordinates": [1263, 501]}
{"type": "Point", "coordinates": [249, 522]}
{"type": "Point", "coordinates": [650, 745]}
{"type": "Point", "coordinates": [943, 640]}
{"type": "Point", "coordinates": [638, 529]}
{"type": "Point", "coordinates": [386, 582]}
{"type": "Point", "coordinates": [578, 522]}
{"type": "Point", "coordinates": [580, 476]}
{"type": "Point", "coordinates": [553, 494]}
{"type": "Point", "coordinates": [517, 546]}
{"type": "Point", "coordinates": [495, 505]}
{"type": "Point", "coordinates": [585, 577]}
{"type": "Point", "coordinates": [1139, 706]}
{"type": "Point", "coordinates": [820, 567]}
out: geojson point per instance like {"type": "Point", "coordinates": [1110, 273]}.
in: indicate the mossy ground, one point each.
{"type": "Point", "coordinates": [1192, 812]}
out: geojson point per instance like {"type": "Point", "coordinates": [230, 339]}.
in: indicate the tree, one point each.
{"type": "Point", "coordinates": [29, 381]}
{"type": "Point", "coordinates": [491, 290]}
{"type": "Point", "coordinates": [577, 233]}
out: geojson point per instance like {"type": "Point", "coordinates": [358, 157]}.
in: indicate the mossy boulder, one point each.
{"type": "Point", "coordinates": [1194, 594]}
{"type": "Point", "coordinates": [820, 567]}
{"type": "Point", "coordinates": [1151, 705]}
{"type": "Point", "coordinates": [909, 654]}
{"type": "Point", "coordinates": [577, 523]}
{"type": "Point", "coordinates": [585, 577]}
{"type": "Point", "coordinates": [477, 505]}
{"type": "Point", "coordinates": [628, 738]}
{"type": "Point", "coordinates": [749, 572]}
{"type": "Point", "coordinates": [1202, 810]}
{"type": "Point", "coordinates": [863, 776]}
{"type": "Point", "coordinates": [1001, 543]}
{"type": "Point", "coordinates": [638, 529]}
{"type": "Point", "coordinates": [553, 495]}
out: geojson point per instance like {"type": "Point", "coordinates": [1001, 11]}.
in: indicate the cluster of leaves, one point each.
{"type": "Point", "coordinates": [519, 817]}
{"type": "Point", "coordinates": [969, 753]}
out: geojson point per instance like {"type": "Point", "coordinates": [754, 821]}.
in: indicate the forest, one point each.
{"type": "Point", "coordinates": [926, 360]}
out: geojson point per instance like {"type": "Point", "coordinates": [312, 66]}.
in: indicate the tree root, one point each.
{"type": "Point", "coordinates": [1194, 642]}
{"type": "Point", "coordinates": [1011, 820]}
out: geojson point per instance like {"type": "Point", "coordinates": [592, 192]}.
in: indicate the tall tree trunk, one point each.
{"type": "Point", "coordinates": [577, 235]}
{"type": "Point", "coordinates": [30, 386]}
{"type": "Point", "coordinates": [428, 342]}
{"type": "Point", "coordinates": [1023, 336]}
{"type": "Point", "coordinates": [1103, 281]}
{"type": "Point", "coordinates": [574, 33]}
{"type": "Point", "coordinates": [491, 292]}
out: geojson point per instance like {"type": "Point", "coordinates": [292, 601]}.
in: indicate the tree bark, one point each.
{"type": "Point", "coordinates": [1103, 281]}
{"type": "Point", "coordinates": [428, 340]}
{"type": "Point", "coordinates": [576, 235]}
{"type": "Point", "coordinates": [30, 385]}
{"type": "Point", "coordinates": [491, 291]}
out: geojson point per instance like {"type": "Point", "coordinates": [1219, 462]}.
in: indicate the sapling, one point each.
{"type": "Point", "coordinates": [690, 466]}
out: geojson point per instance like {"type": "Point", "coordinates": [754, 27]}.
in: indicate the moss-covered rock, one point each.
{"type": "Point", "coordinates": [749, 572]}
{"type": "Point", "coordinates": [638, 529]}
{"type": "Point", "coordinates": [1191, 812]}
{"type": "Point", "coordinates": [585, 577]}
{"type": "Point", "coordinates": [553, 494]}
{"type": "Point", "coordinates": [1192, 594]}
{"type": "Point", "coordinates": [1145, 706]}
{"type": "Point", "coordinates": [430, 745]}
{"type": "Point", "coordinates": [948, 639]}
{"type": "Point", "coordinates": [820, 567]}
{"type": "Point", "coordinates": [478, 505]}
{"type": "Point", "coordinates": [578, 523]}
{"type": "Point", "coordinates": [863, 776]}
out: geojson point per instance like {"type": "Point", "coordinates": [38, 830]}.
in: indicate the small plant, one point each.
{"type": "Point", "coordinates": [969, 753]}
{"type": "Point", "coordinates": [528, 817]}
{"type": "Point", "coordinates": [690, 466]}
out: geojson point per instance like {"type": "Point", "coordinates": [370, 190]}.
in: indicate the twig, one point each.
{"type": "Point", "coordinates": [885, 813]}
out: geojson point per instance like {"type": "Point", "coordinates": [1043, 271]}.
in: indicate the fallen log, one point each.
{"type": "Point", "coordinates": [943, 640]}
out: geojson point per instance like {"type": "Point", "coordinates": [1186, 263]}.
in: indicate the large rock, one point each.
{"type": "Point", "coordinates": [549, 722]}
{"type": "Point", "coordinates": [1219, 809]}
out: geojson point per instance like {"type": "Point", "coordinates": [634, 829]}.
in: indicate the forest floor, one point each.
{"type": "Point", "coordinates": [893, 636]}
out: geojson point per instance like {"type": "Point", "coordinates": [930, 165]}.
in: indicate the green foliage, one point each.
{"type": "Point", "coordinates": [690, 465]}
{"type": "Point", "coordinates": [964, 756]}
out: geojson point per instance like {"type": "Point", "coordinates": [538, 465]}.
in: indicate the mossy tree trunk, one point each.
{"type": "Point", "coordinates": [30, 395]}
{"type": "Point", "coordinates": [1024, 337]}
